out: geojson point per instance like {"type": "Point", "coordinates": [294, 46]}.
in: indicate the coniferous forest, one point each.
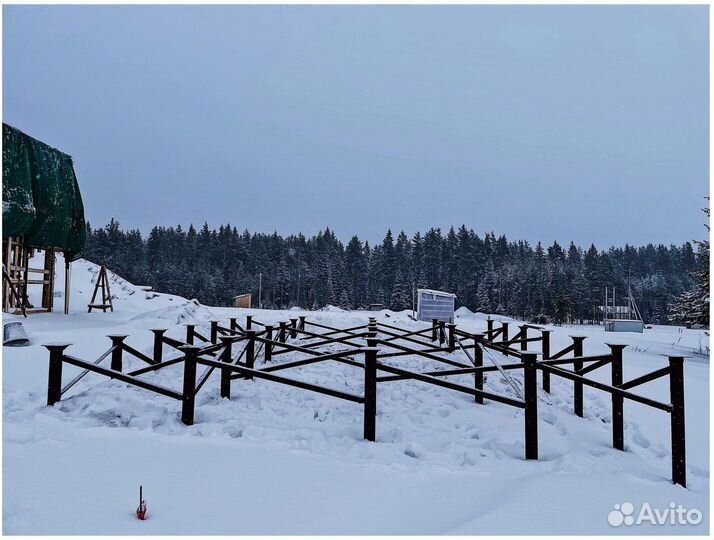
{"type": "Point", "coordinates": [488, 273]}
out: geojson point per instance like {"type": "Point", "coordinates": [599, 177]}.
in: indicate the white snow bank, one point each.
{"type": "Point", "coordinates": [186, 312]}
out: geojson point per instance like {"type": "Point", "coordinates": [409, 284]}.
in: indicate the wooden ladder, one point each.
{"type": "Point", "coordinates": [102, 283]}
{"type": "Point", "coordinates": [12, 292]}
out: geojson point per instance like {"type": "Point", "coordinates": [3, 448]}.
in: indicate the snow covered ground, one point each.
{"type": "Point", "coordinates": [280, 460]}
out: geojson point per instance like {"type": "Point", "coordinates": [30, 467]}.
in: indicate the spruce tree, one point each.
{"type": "Point", "coordinates": [692, 306]}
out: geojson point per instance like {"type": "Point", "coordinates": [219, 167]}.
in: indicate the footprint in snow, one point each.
{"type": "Point", "coordinates": [641, 441]}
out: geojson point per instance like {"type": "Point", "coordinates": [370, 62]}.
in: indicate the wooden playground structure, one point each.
{"type": "Point", "coordinates": [18, 276]}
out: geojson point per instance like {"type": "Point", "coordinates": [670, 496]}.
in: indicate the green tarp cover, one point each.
{"type": "Point", "coordinates": [40, 195]}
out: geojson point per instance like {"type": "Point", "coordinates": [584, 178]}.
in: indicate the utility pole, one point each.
{"type": "Point", "coordinates": [413, 298]}
{"type": "Point", "coordinates": [260, 290]}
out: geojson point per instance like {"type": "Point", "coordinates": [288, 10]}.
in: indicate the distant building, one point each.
{"type": "Point", "coordinates": [242, 301]}
{"type": "Point", "coordinates": [624, 325]}
{"type": "Point", "coordinates": [624, 318]}
{"type": "Point", "coordinates": [435, 305]}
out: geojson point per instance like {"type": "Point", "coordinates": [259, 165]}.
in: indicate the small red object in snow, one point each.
{"type": "Point", "coordinates": [141, 510]}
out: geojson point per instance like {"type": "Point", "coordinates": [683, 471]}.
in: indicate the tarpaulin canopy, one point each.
{"type": "Point", "coordinates": [40, 195]}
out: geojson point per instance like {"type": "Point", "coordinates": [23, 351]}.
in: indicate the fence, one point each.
{"type": "Point", "coordinates": [551, 364]}
{"type": "Point", "coordinates": [366, 347]}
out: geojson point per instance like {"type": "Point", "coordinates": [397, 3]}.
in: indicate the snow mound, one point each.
{"type": "Point", "coordinates": [466, 313]}
{"type": "Point", "coordinates": [188, 312]}
{"type": "Point", "coordinates": [120, 288]}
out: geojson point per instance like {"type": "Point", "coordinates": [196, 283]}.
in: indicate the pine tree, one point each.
{"type": "Point", "coordinates": [692, 306]}
{"type": "Point", "coordinates": [562, 310]}
{"type": "Point", "coordinates": [356, 271]}
{"type": "Point", "coordinates": [401, 298]}
{"type": "Point", "coordinates": [485, 290]}
{"type": "Point", "coordinates": [387, 264]}
{"type": "Point", "coordinates": [344, 301]}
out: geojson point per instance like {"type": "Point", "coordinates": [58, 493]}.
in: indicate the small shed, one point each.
{"type": "Point", "coordinates": [242, 301]}
{"type": "Point", "coordinates": [624, 325]}
{"type": "Point", "coordinates": [435, 305]}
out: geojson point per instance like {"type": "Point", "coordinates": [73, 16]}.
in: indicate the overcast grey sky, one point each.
{"type": "Point", "coordinates": [544, 123]}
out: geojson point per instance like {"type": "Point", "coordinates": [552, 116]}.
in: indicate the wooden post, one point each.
{"type": "Point", "coordinates": [545, 338]}
{"type": "Point", "coordinates": [370, 390]}
{"type": "Point", "coordinates": [268, 346]}
{"type": "Point", "coordinates": [442, 332]}
{"type": "Point", "coordinates": [7, 243]}
{"type": "Point", "coordinates": [504, 337]}
{"type": "Point", "coordinates": [524, 337]}
{"type": "Point", "coordinates": [227, 358]}
{"type": "Point", "coordinates": [530, 387]}
{"type": "Point", "coordinates": [478, 362]}
{"type": "Point", "coordinates": [67, 281]}
{"type": "Point", "coordinates": [618, 424]}
{"type": "Point", "coordinates": [48, 278]}
{"type": "Point", "coordinates": [301, 325]}
{"type": "Point", "coordinates": [214, 332]}
{"type": "Point", "coordinates": [190, 329]}
{"type": "Point", "coordinates": [158, 344]}
{"type": "Point", "coordinates": [6, 286]}
{"type": "Point", "coordinates": [676, 394]}
{"type": "Point", "coordinates": [248, 321]}
{"type": "Point", "coordinates": [577, 385]}
{"type": "Point", "coordinates": [452, 336]}
{"type": "Point", "coordinates": [25, 272]}
{"type": "Point", "coordinates": [293, 328]}
{"type": "Point", "coordinates": [189, 383]}
{"type": "Point", "coordinates": [434, 329]}
{"type": "Point", "coordinates": [97, 285]}
{"type": "Point", "coordinates": [118, 344]}
{"type": "Point", "coordinates": [54, 377]}
{"type": "Point", "coordinates": [234, 323]}
{"type": "Point", "coordinates": [250, 352]}
{"type": "Point", "coordinates": [282, 335]}
{"type": "Point", "coordinates": [489, 332]}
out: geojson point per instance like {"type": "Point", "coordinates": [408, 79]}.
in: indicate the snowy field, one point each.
{"type": "Point", "coordinates": [280, 460]}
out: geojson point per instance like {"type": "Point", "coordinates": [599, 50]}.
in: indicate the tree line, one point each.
{"type": "Point", "coordinates": [488, 273]}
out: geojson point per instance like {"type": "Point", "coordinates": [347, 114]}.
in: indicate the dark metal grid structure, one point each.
{"type": "Point", "coordinates": [367, 347]}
